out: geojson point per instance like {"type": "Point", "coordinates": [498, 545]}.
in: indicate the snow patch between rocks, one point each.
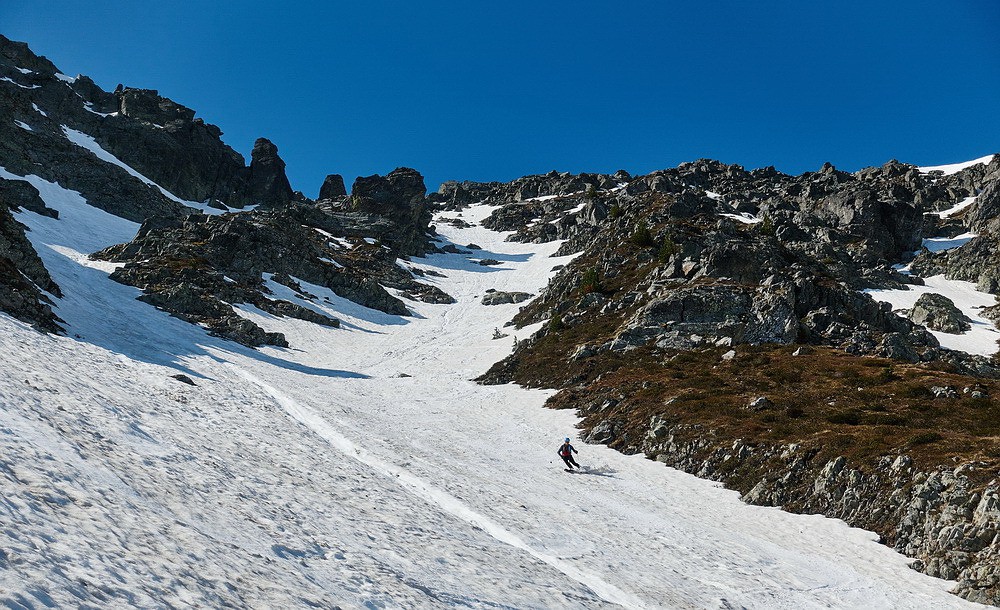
{"type": "Point", "coordinates": [10, 80]}
{"type": "Point", "coordinates": [958, 207]}
{"type": "Point", "coordinates": [940, 244]}
{"type": "Point", "coordinates": [745, 217]}
{"type": "Point", "coordinates": [980, 340]}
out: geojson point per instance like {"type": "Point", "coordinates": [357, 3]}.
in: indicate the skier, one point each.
{"type": "Point", "coordinates": [566, 452]}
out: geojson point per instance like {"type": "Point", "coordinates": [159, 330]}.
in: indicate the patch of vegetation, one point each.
{"type": "Point", "coordinates": [766, 226]}
{"type": "Point", "coordinates": [667, 249]}
{"type": "Point", "coordinates": [831, 402]}
{"type": "Point", "coordinates": [590, 281]}
{"type": "Point", "coordinates": [925, 438]}
{"type": "Point", "coordinates": [642, 237]}
{"type": "Point", "coordinates": [848, 418]}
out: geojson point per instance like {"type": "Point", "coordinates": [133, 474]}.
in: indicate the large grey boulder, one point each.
{"type": "Point", "coordinates": [938, 312]}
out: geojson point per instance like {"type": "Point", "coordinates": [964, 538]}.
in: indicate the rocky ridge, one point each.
{"type": "Point", "coordinates": [146, 158]}
{"type": "Point", "coordinates": [199, 266]}
{"type": "Point", "coordinates": [709, 254]}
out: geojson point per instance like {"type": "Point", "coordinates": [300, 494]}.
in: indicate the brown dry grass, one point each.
{"type": "Point", "coordinates": [839, 404]}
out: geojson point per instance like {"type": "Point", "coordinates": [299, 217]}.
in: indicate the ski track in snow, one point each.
{"type": "Point", "coordinates": [360, 467]}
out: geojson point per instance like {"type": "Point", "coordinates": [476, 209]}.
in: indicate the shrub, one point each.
{"type": "Point", "coordinates": [667, 249]}
{"type": "Point", "coordinates": [886, 375]}
{"type": "Point", "coordinates": [885, 419]}
{"type": "Point", "coordinates": [590, 281]}
{"type": "Point", "coordinates": [850, 418]}
{"type": "Point", "coordinates": [795, 412]}
{"type": "Point", "coordinates": [766, 226]}
{"type": "Point", "coordinates": [642, 237]}
{"type": "Point", "coordinates": [925, 437]}
{"type": "Point", "coordinates": [556, 323]}
{"type": "Point", "coordinates": [615, 211]}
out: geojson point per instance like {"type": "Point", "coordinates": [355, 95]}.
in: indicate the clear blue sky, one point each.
{"type": "Point", "coordinates": [493, 91]}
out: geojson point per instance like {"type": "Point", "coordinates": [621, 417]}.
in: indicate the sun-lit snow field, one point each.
{"type": "Point", "coordinates": [359, 468]}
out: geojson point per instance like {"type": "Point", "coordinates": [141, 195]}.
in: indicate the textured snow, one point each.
{"type": "Point", "coordinates": [24, 70]}
{"type": "Point", "coordinates": [66, 79]}
{"type": "Point", "coordinates": [981, 339]}
{"type": "Point", "coordinates": [23, 125]}
{"type": "Point", "coordinates": [360, 468]}
{"type": "Point", "coordinates": [39, 110]}
{"type": "Point", "coordinates": [713, 195]}
{"type": "Point", "coordinates": [954, 168]}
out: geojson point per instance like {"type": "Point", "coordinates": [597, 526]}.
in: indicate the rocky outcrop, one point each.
{"type": "Point", "coordinates": [199, 267]}
{"type": "Point", "coordinates": [938, 312]}
{"type": "Point", "coordinates": [711, 254]}
{"type": "Point", "coordinates": [398, 198]}
{"type": "Point", "coordinates": [18, 194]}
{"type": "Point", "coordinates": [159, 138]}
{"type": "Point", "coordinates": [333, 187]}
{"type": "Point", "coordinates": [499, 297]}
{"type": "Point", "coordinates": [23, 277]}
{"type": "Point", "coordinates": [268, 185]}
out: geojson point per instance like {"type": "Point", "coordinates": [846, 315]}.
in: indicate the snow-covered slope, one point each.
{"type": "Point", "coordinates": [361, 469]}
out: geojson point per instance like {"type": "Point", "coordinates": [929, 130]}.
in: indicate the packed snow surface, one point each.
{"type": "Point", "coordinates": [359, 468]}
{"type": "Point", "coordinates": [954, 168]}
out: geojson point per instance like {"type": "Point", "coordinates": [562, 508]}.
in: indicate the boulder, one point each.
{"type": "Point", "coordinates": [501, 298]}
{"type": "Point", "coordinates": [938, 312]}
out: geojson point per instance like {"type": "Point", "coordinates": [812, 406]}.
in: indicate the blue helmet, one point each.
{"type": "Point", "coordinates": [567, 439]}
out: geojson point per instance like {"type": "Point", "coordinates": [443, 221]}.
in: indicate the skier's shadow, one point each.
{"type": "Point", "coordinates": [598, 472]}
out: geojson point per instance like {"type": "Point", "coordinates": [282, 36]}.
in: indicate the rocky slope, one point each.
{"type": "Point", "coordinates": [199, 266]}
{"type": "Point", "coordinates": [666, 334]}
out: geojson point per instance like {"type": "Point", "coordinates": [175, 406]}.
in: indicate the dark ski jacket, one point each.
{"type": "Point", "coordinates": [565, 450]}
